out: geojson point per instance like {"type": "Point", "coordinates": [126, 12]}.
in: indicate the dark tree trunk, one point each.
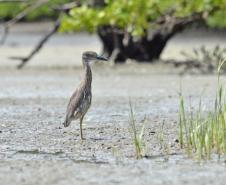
{"type": "Point", "coordinates": [145, 49]}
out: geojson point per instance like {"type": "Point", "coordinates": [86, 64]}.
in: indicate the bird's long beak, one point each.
{"type": "Point", "coordinates": [102, 58]}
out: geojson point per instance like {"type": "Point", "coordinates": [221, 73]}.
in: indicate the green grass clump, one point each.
{"type": "Point", "coordinates": [204, 133]}
{"type": "Point", "coordinates": [137, 135]}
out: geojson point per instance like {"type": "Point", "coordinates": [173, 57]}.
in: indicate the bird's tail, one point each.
{"type": "Point", "coordinates": [66, 123]}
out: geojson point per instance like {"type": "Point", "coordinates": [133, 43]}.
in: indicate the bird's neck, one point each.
{"type": "Point", "coordinates": [87, 73]}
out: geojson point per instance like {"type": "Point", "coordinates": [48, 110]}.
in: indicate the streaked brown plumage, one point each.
{"type": "Point", "coordinates": [80, 100]}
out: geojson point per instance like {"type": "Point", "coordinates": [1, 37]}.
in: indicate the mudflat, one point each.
{"type": "Point", "coordinates": [35, 148]}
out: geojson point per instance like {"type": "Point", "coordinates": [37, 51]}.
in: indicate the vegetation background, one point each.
{"type": "Point", "coordinates": [134, 29]}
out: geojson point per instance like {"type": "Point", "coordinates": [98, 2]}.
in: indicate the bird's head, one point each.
{"type": "Point", "coordinates": [90, 56]}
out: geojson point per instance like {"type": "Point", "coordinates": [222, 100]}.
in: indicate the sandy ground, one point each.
{"type": "Point", "coordinates": [36, 149]}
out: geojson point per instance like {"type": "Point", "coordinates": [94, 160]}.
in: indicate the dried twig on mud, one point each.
{"type": "Point", "coordinates": [24, 60]}
{"type": "Point", "coordinates": [188, 65]}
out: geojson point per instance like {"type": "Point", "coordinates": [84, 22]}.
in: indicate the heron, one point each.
{"type": "Point", "coordinates": [81, 99]}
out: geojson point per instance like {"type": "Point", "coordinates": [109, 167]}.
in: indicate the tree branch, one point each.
{"type": "Point", "coordinates": [66, 7]}
{"type": "Point", "coordinates": [19, 16]}
{"type": "Point", "coordinates": [24, 60]}
{"type": "Point", "coordinates": [13, 1]}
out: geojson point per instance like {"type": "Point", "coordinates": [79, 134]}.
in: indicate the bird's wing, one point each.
{"type": "Point", "coordinates": [74, 103]}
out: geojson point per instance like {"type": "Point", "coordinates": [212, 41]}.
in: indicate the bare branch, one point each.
{"type": "Point", "coordinates": [24, 60]}
{"type": "Point", "coordinates": [13, 1]}
{"type": "Point", "coordinates": [19, 16]}
{"type": "Point", "coordinates": [66, 7]}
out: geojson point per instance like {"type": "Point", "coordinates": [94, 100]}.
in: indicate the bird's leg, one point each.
{"type": "Point", "coordinates": [81, 135]}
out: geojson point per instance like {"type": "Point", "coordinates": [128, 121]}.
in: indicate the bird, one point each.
{"type": "Point", "coordinates": [81, 99]}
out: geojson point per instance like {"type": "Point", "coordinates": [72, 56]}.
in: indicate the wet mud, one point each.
{"type": "Point", "coordinates": [36, 148]}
